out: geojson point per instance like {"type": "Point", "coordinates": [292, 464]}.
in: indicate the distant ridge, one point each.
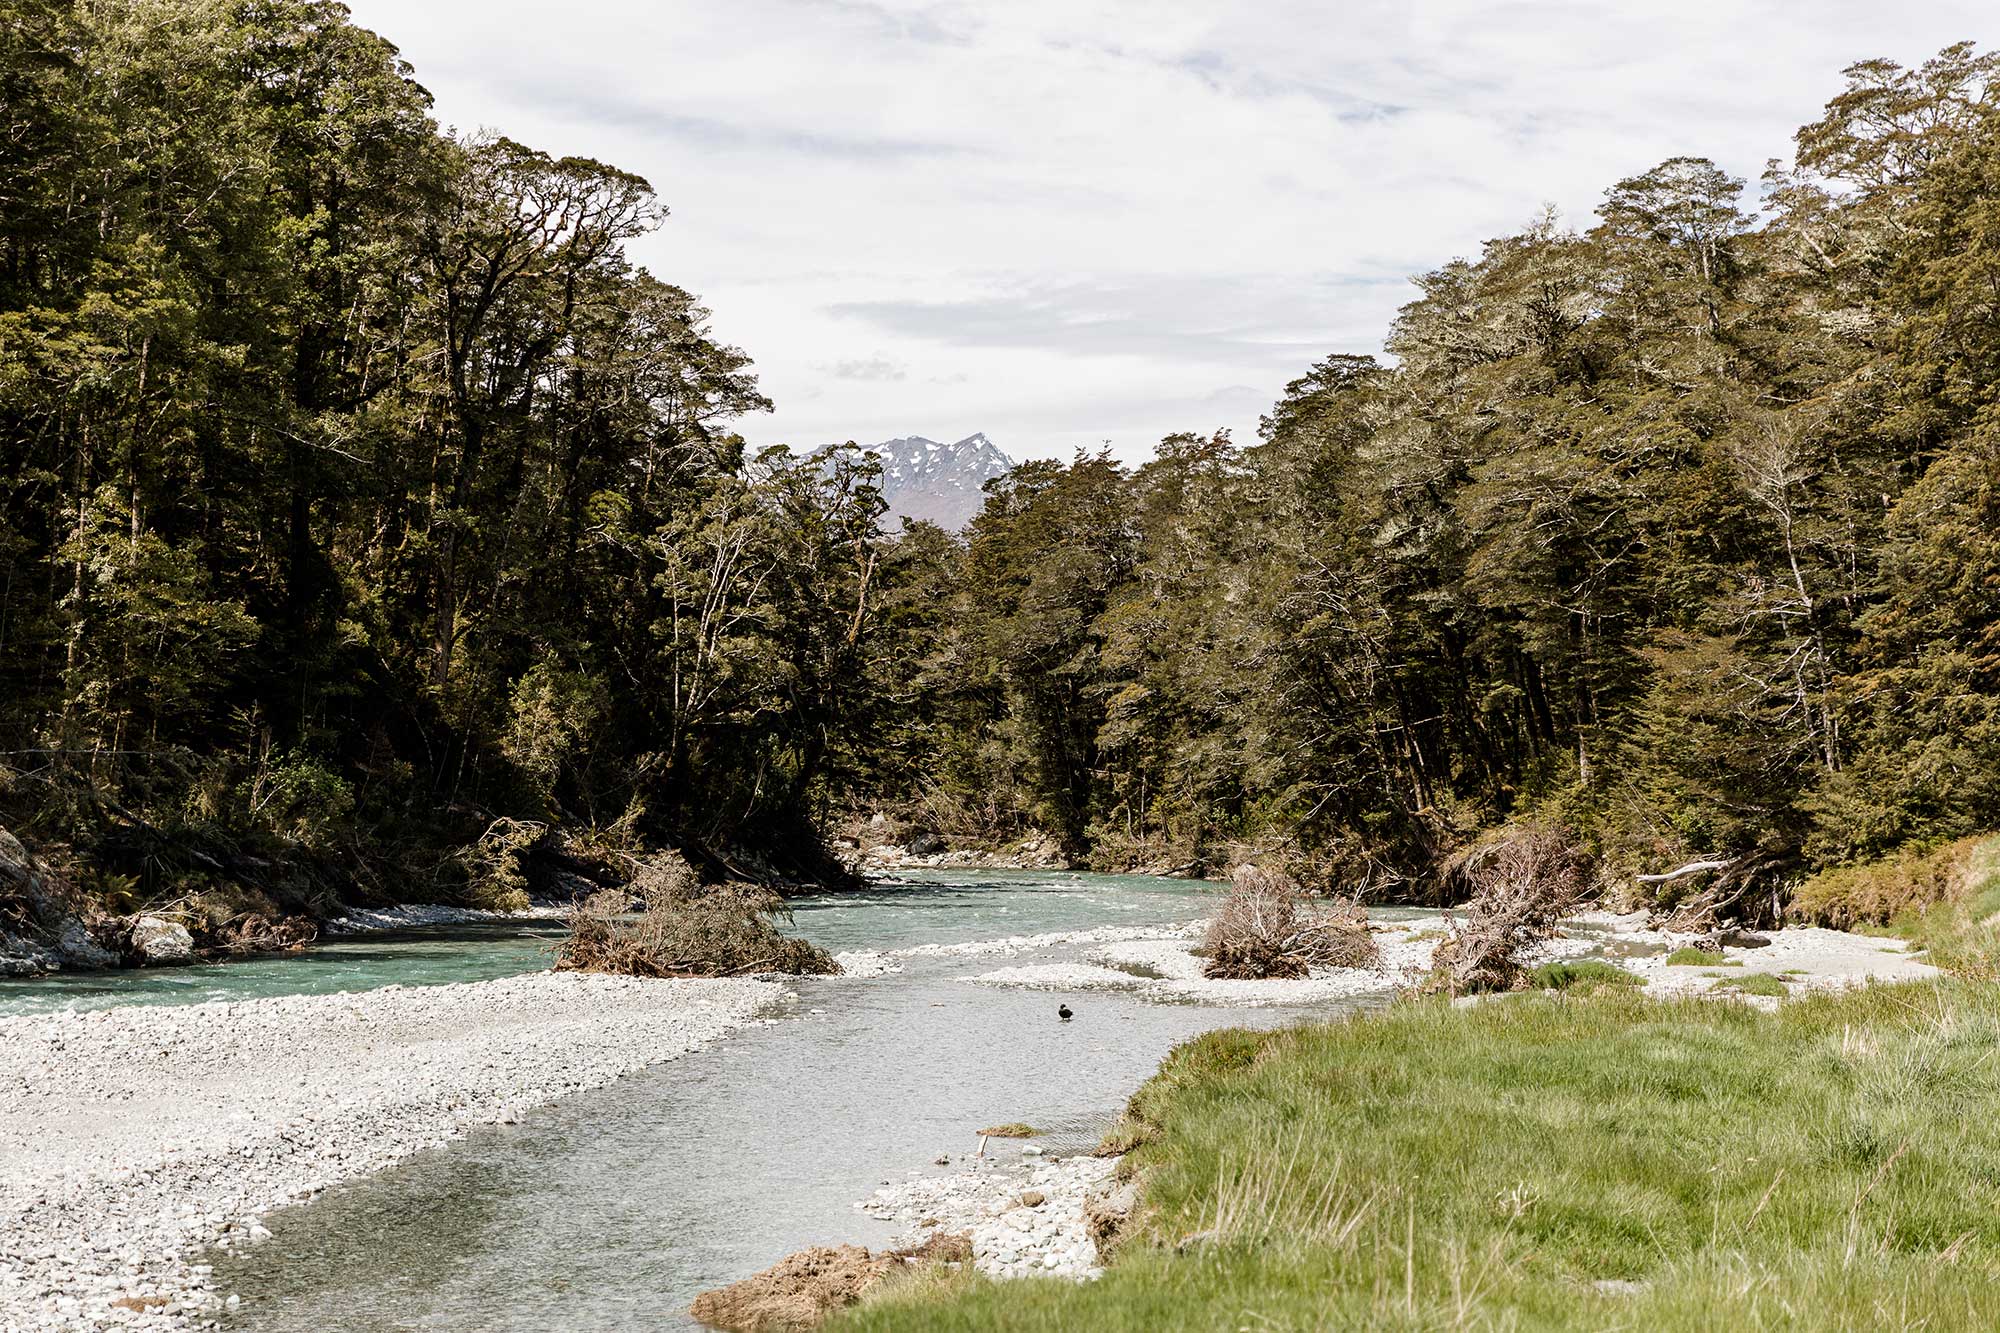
{"type": "Point", "coordinates": [939, 483]}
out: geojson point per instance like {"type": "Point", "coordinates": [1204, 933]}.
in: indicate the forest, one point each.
{"type": "Point", "coordinates": [372, 527]}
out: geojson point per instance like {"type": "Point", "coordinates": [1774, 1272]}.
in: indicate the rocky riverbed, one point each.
{"type": "Point", "coordinates": [132, 1139]}
{"type": "Point", "coordinates": [1026, 1217]}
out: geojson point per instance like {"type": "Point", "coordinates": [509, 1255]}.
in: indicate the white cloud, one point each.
{"type": "Point", "coordinates": [1061, 221]}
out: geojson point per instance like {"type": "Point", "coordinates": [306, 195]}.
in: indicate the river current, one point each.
{"type": "Point", "coordinates": [614, 1208]}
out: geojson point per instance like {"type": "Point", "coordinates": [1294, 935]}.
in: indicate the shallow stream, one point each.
{"type": "Point", "coordinates": [613, 1209]}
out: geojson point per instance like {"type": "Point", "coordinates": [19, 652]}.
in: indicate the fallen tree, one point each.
{"type": "Point", "coordinates": [1523, 883]}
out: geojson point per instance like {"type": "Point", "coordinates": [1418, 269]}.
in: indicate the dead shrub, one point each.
{"type": "Point", "coordinates": [684, 928]}
{"type": "Point", "coordinates": [1522, 883]}
{"type": "Point", "coordinates": [1268, 930]}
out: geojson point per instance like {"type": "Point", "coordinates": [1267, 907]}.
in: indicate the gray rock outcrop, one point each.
{"type": "Point", "coordinates": [39, 932]}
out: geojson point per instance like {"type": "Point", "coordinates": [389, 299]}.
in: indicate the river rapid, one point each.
{"type": "Point", "coordinates": [613, 1208]}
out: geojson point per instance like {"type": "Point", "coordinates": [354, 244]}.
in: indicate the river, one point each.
{"type": "Point", "coordinates": [612, 1209]}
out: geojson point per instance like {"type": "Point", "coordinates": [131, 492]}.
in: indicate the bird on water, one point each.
{"type": "Point", "coordinates": [1062, 1012]}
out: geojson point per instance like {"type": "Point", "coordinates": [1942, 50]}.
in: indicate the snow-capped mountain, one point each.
{"type": "Point", "coordinates": [938, 482]}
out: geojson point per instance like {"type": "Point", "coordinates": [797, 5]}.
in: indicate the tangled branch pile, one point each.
{"type": "Point", "coordinates": [684, 928]}
{"type": "Point", "coordinates": [1266, 930]}
{"type": "Point", "coordinates": [1522, 886]}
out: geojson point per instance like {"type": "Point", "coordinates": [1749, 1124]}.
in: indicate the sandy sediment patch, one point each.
{"type": "Point", "coordinates": [1025, 1221]}
{"type": "Point", "coordinates": [1807, 957]}
{"type": "Point", "coordinates": [132, 1138]}
{"type": "Point", "coordinates": [1018, 944]}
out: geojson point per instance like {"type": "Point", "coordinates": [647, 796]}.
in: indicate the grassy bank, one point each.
{"type": "Point", "coordinates": [1555, 1163]}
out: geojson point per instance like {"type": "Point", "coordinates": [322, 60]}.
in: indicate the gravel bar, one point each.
{"type": "Point", "coordinates": [132, 1139]}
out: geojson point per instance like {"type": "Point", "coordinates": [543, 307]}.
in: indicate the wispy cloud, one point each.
{"type": "Point", "coordinates": [1060, 221]}
{"type": "Point", "coordinates": [874, 369]}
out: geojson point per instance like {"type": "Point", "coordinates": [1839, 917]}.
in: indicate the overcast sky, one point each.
{"type": "Point", "coordinates": [1067, 221]}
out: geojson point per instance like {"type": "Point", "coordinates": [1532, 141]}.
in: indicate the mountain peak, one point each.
{"type": "Point", "coordinates": [940, 483]}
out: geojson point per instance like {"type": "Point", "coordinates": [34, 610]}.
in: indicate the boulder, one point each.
{"type": "Point", "coordinates": [159, 942]}
{"type": "Point", "coordinates": [1737, 938]}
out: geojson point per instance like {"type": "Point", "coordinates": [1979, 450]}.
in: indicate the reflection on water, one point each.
{"type": "Point", "coordinates": [613, 1209]}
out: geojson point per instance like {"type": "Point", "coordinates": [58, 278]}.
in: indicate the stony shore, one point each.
{"type": "Point", "coordinates": [1161, 964]}
{"type": "Point", "coordinates": [1026, 1217]}
{"type": "Point", "coordinates": [132, 1139]}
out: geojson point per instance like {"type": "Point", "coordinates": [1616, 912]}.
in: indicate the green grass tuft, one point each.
{"type": "Point", "coordinates": [1757, 983]}
{"type": "Point", "coordinates": [1013, 1129]}
{"type": "Point", "coordinates": [1585, 974]}
{"type": "Point", "coordinates": [1699, 958]}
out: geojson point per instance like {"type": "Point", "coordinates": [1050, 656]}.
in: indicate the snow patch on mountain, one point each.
{"type": "Point", "coordinates": [939, 483]}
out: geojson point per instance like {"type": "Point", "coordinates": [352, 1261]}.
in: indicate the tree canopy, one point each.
{"type": "Point", "coordinates": [368, 517]}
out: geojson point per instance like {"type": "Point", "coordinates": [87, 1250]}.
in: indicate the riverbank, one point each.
{"type": "Point", "coordinates": [132, 1138]}
{"type": "Point", "coordinates": [1552, 1162]}
{"type": "Point", "coordinates": [1165, 964]}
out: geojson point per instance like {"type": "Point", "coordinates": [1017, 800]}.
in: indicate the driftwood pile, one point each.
{"type": "Point", "coordinates": [1268, 929]}
{"type": "Point", "coordinates": [684, 928]}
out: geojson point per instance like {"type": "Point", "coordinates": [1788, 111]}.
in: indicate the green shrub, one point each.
{"type": "Point", "coordinates": [495, 879]}
{"type": "Point", "coordinates": [1698, 958]}
{"type": "Point", "coordinates": [1585, 974]}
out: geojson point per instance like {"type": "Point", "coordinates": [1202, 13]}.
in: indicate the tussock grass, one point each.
{"type": "Point", "coordinates": [1013, 1129]}
{"type": "Point", "coordinates": [1825, 1166]}
{"type": "Point", "coordinates": [1700, 958]}
{"type": "Point", "coordinates": [1757, 983]}
{"type": "Point", "coordinates": [1583, 974]}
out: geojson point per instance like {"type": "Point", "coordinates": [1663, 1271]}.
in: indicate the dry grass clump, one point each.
{"type": "Point", "coordinates": [1877, 892]}
{"type": "Point", "coordinates": [684, 928]}
{"type": "Point", "coordinates": [1267, 930]}
{"type": "Point", "coordinates": [1522, 885]}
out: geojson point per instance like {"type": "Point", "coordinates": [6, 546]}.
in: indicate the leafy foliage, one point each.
{"type": "Point", "coordinates": [1679, 530]}
{"type": "Point", "coordinates": [353, 465]}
